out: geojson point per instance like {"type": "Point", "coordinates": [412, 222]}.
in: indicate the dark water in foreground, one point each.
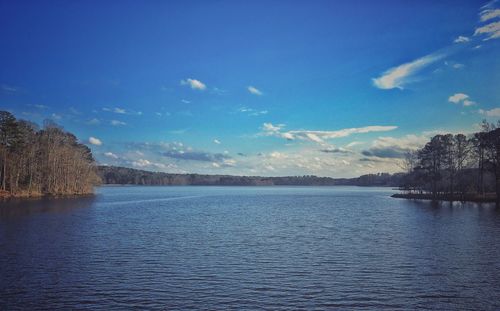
{"type": "Point", "coordinates": [248, 248]}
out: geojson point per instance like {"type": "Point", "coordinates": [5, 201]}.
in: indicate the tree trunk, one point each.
{"type": "Point", "coordinates": [497, 173]}
{"type": "Point", "coordinates": [4, 169]}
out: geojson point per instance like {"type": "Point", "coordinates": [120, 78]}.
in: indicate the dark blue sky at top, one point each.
{"type": "Point", "coordinates": [313, 62]}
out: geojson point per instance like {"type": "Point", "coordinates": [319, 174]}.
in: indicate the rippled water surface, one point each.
{"type": "Point", "coordinates": [248, 248]}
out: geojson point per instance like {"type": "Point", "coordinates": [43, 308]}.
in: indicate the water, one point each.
{"type": "Point", "coordinates": [248, 248]}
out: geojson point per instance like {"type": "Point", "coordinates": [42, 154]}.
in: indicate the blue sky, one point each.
{"type": "Point", "coordinates": [330, 88]}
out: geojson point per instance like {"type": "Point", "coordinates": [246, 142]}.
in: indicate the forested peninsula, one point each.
{"type": "Point", "coordinates": [455, 168]}
{"type": "Point", "coordinates": [39, 162]}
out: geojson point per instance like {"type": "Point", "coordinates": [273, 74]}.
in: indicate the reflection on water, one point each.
{"type": "Point", "coordinates": [248, 248]}
{"type": "Point", "coordinates": [25, 207]}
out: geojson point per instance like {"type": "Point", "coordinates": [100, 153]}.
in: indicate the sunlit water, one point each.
{"type": "Point", "coordinates": [248, 248]}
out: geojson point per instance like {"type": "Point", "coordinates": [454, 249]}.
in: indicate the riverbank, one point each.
{"type": "Point", "coordinates": [486, 198]}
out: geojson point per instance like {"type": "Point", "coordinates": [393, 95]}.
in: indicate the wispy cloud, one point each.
{"type": "Point", "coordinates": [492, 31]}
{"type": "Point", "coordinates": [216, 141]}
{"type": "Point", "coordinates": [461, 39]}
{"type": "Point", "coordinates": [194, 84]}
{"type": "Point", "coordinates": [93, 121]}
{"type": "Point", "coordinates": [319, 136]}
{"type": "Point", "coordinates": [252, 112]}
{"type": "Point", "coordinates": [488, 14]}
{"type": "Point", "coordinates": [192, 155]}
{"type": "Point", "coordinates": [8, 88]}
{"type": "Point", "coordinates": [253, 90]}
{"type": "Point", "coordinates": [39, 106]}
{"type": "Point", "coordinates": [490, 4]}
{"type": "Point", "coordinates": [117, 123]}
{"type": "Point", "coordinates": [119, 110]}
{"type": "Point", "coordinates": [461, 98]}
{"type": "Point", "coordinates": [178, 132]}
{"type": "Point", "coordinates": [399, 76]}
{"type": "Point", "coordinates": [56, 116]}
{"type": "Point", "coordinates": [111, 155]}
{"type": "Point", "coordinates": [95, 141]}
{"type": "Point", "coordinates": [219, 91]}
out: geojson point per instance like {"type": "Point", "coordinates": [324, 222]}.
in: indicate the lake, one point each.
{"type": "Point", "coordinates": [248, 248]}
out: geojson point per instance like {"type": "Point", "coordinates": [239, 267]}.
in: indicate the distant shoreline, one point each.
{"type": "Point", "coordinates": [487, 198]}
{"type": "Point", "coordinates": [129, 176]}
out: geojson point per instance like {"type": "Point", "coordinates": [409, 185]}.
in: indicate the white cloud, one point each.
{"type": "Point", "coordinates": [185, 101]}
{"type": "Point", "coordinates": [458, 97]}
{"type": "Point", "coordinates": [458, 66]}
{"type": "Point", "coordinates": [461, 98]}
{"type": "Point", "coordinates": [489, 14]}
{"type": "Point", "coordinates": [216, 141]}
{"type": "Point", "coordinates": [119, 110]}
{"type": "Point", "coordinates": [95, 141]}
{"type": "Point", "coordinates": [117, 123]}
{"type": "Point", "coordinates": [194, 84]}
{"type": "Point", "coordinates": [111, 155]}
{"type": "Point", "coordinates": [397, 77]}
{"type": "Point", "coordinates": [495, 112]}
{"type": "Point", "coordinates": [56, 116]}
{"type": "Point", "coordinates": [254, 90]}
{"type": "Point", "coordinates": [492, 31]}
{"type": "Point", "coordinates": [461, 39]}
{"type": "Point", "coordinates": [319, 136]}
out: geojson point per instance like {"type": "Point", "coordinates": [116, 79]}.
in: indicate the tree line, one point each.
{"type": "Point", "coordinates": [46, 161]}
{"type": "Point", "coordinates": [129, 176]}
{"type": "Point", "coordinates": [456, 167]}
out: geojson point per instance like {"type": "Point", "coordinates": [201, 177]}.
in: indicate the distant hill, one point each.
{"type": "Point", "coordinates": [129, 176]}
